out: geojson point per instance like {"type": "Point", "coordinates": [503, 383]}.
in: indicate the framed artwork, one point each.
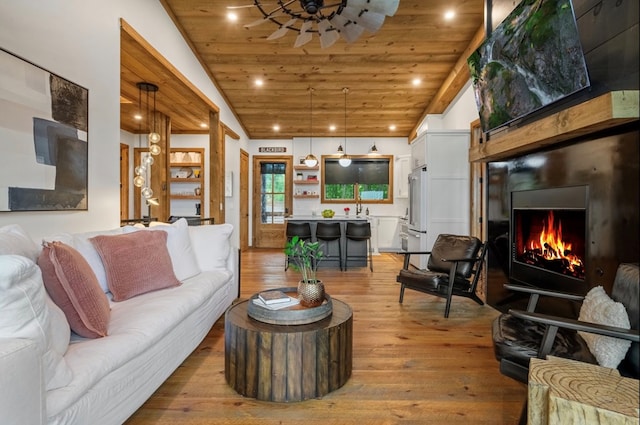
{"type": "Point", "coordinates": [44, 130]}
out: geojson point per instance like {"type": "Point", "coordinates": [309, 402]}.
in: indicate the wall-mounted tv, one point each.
{"type": "Point", "coordinates": [532, 59]}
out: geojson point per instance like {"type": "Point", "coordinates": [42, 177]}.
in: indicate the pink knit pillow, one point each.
{"type": "Point", "coordinates": [136, 263]}
{"type": "Point", "coordinates": [73, 286]}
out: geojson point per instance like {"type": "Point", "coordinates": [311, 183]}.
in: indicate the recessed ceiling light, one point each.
{"type": "Point", "coordinates": [392, 127]}
{"type": "Point", "coordinates": [449, 15]}
{"type": "Point", "coordinates": [137, 117]}
{"type": "Point", "coordinates": [232, 16]}
{"type": "Point", "coordinates": [203, 125]}
{"type": "Point", "coordinates": [416, 81]}
{"type": "Point", "coordinates": [259, 82]}
{"type": "Point", "coordinates": [332, 127]}
{"type": "Point", "coordinates": [276, 127]}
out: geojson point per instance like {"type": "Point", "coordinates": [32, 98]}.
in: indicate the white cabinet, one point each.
{"type": "Point", "coordinates": [445, 206]}
{"type": "Point", "coordinates": [402, 168]}
{"type": "Point", "coordinates": [388, 234]}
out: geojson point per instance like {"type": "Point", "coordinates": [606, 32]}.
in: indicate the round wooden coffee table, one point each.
{"type": "Point", "coordinates": [287, 363]}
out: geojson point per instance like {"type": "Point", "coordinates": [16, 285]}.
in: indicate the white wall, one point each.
{"type": "Point", "coordinates": [80, 41]}
{"type": "Point", "coordinates": [458, 115]}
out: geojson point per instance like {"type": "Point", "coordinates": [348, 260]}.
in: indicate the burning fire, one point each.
{"type": "Point", "coordinates": [550, 246]}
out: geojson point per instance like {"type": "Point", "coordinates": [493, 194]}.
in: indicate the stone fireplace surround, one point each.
{"type": "Point", "coordinates": [606, 161]}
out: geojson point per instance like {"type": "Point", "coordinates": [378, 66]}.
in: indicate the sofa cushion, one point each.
{"type": "Point", "coordinates": [27, 312]}
{"type": "Point", "coordinates": [82, 243]}
{"type": "Point", "coordinates": [597, 307]}
{"type": "Point", "coordinates": [211, 245]}
{"type": "Point", "coordinates": [14, 240]}
{"type": "Point", "coordinates": [183, 258]}
{"type": "Point", "coordinates": [136, 263]}
{"type": "Point", "coordinates": [73, 286]}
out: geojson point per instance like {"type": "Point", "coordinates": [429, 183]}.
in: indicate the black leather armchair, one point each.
{"type": "Point", "coordinates": [520, 335]}
{"type": "Point", "coordinates": [453, 268]}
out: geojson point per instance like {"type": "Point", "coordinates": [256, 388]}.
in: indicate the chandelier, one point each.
{"type": "Point", "coordinates": [329, 19]}
{"type": "Point", "coordinates": [143, 170]}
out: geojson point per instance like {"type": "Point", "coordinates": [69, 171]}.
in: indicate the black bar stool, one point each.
{"type": "Point", "coordinates": [361, 232]}
{"type": "Point", "coordinates": [301, 230]}
{"type": "Point", "coordinates": [330, 231]}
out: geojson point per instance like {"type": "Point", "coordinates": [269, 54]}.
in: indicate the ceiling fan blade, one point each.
{"type": "Point", "coordinates": [387, 7]}
{"type": "Point", "coordinates": [328, 34]}
{"type": "Point", "coordinates": [350, 31]}
{"type": "Point", "coordinates": [280, 32]}
{"type": "Point", "coordinates": [372, 21]}
{"type": "Point", "coordinates": [305, 35]}
{"type": "Point", "coordinates": [262, 20]}
{"type": "Point", "coordinates": [240, 7]}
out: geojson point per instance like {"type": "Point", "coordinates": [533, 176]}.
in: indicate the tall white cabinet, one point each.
{"type": "Point", "coordinates": [445, 154]}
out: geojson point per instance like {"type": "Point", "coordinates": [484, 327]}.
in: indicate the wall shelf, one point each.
{"type": "Point", "coordinates": [189, 162]}
{"type": "Point", "coordinates": [306, 182]}
{"type": "Point", "coordinates": [306, 196]}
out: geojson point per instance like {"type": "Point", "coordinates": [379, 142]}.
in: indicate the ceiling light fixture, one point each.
{"type": "Point", "coordinates": [310, 160]}
{"type": "Point", "coordinates": [143, 171]}
{"type": "Point", "coordinates": [346, 18]}
{"type": "Point", "coordinates": [344, 160]}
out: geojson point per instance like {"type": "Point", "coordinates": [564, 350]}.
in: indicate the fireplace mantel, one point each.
{"type": "Point", "coordinates": [606, 111]}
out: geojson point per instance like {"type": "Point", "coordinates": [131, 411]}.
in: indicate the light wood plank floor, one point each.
{"type": "Point", "coordinates": [410, 365]}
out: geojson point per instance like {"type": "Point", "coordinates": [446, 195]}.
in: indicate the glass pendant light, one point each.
{"type": "Point", "coordinates": [310, 160]}
{"type": "Point", "coordinates": [344, 160]}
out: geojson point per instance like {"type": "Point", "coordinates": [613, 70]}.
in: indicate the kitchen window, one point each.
{"type": "Point", "coordinates": [368, 179]}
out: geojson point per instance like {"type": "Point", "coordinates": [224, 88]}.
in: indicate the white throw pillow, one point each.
{"type": "Point", "coordinates": [183, 258]}
{"type": "Point", "coordinates": [597, 307]}
{"type": "Point", "coordinates": [27, 312]}
{"type": "Point", "coordinates": [14, 240]}
{"type": "Point", "coordinates": [82, 244]}
{"type": "Point", "coordinates": [212, 245]}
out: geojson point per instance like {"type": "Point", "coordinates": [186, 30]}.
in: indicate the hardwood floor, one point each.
{"type": "Point", "coordinates": [410, 365]}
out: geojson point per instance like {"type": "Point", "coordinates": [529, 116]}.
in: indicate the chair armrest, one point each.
{"type": "Point", "coordinates": [459, 260]}
{"type": "Point", "coordinates": [537, 292]}
{"type": "Point", "coordinates": [407, 255]}
{"type": "Point", "coordinates": [577, 325]}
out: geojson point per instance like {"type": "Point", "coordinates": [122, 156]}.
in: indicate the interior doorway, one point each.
{"type": "Point", "coordinates": [124, 181]}
{"type": "Point", "coordinates": [272, 182]}
{"type": "Point", "coordinates": [244, 200]}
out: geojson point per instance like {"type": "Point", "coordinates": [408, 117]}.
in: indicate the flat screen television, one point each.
{"type": "Point", "coordinates": [531, 60]}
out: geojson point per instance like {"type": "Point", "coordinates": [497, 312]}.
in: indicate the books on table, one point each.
{"type": "Point", "coordinates": [275, 300]}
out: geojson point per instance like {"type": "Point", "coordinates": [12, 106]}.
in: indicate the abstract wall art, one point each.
{"type": "Point", "coordinates": [44, 130]}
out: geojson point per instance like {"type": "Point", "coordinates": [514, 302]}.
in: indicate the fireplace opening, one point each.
{"type": "Point", "coordinates": [552, 240]}
{"type": "Point", "coordinates": [548, 238]}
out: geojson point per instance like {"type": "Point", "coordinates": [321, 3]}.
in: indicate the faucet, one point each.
{"type": "Point", "coordinates": [358, 205]}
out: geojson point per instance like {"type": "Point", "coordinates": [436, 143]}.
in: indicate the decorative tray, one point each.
{"type": "Point", "coordinates": [293, 315]}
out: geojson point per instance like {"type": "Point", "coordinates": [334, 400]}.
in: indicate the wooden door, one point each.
{"type": "Point", "coordinates": [244, 200]}
{"type": "Point", "coordinates": [124, 181]}
{"type": "Point", "coordinates": [272, 181]}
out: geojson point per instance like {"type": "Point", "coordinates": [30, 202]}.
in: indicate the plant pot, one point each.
{"type": "Point", "coordinates": [311, 294]}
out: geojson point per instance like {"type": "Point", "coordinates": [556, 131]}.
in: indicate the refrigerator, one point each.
{"type": "Point", "coordinates": [417, 223]}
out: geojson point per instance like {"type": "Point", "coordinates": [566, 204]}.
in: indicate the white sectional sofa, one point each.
{"type": "Point", "coordinates": [50, 375]}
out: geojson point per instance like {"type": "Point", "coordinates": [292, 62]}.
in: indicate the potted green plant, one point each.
{"type": "Point", "coordinates": [306, 256]}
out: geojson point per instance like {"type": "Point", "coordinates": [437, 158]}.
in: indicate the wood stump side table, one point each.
{"type": "Point", "coordinates": [287, 363]}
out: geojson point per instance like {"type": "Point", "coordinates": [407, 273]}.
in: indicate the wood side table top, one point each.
{"type": "Point", "coordinates": [288, 363]}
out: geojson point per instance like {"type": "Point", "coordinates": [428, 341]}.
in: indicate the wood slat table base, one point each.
{"type": "Point", "coordinates": [288, 363]}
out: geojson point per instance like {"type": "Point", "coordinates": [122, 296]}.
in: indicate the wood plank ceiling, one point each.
{"type": "Point", "coordinates": [417, 42]}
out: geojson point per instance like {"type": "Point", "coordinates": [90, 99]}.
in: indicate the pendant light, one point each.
{"type": "Point", "coordinates": [143, 171]}
{"type": "Point", "coordinates": [310, 160]}
{"type": "Point", "coordinates": [344, 160]}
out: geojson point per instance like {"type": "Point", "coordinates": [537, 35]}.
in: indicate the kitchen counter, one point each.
{"type": "Point", "coordinates": [335, 218]}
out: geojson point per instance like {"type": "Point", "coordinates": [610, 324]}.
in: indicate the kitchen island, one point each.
{"type": "Point", "coordinates": [330, 248]}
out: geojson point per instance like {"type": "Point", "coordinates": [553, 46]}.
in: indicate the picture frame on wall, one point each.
{"type": "Point", "coordinates": [44, 129]}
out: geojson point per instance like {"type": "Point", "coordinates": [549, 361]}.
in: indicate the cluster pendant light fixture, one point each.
{"type": "Point", "coordinates": [143, 171]}
{"type": "Point", "coordinates": [344, 160]}
{"type": "Point", "coordinates": [310, 160]}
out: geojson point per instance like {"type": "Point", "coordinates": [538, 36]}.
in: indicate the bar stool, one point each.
{"type": "Point", "coordinates": [301, 230]}
{"type": "Point", "coordinates": [330, 231]}
{"type": "Point", "coordinates": [361, 232]}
